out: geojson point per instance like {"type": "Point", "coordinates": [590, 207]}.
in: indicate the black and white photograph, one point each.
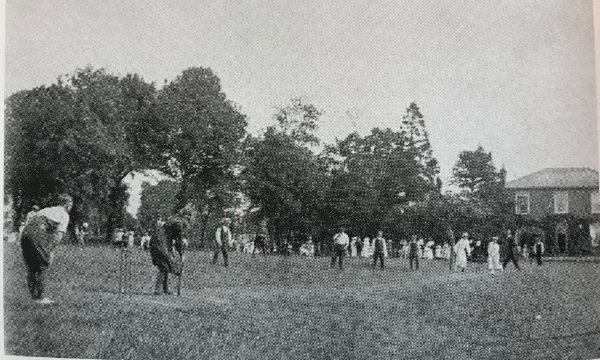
{"type": "Point", "coordinates": [315, 179]}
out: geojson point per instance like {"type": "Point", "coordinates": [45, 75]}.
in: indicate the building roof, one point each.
{"type": "Point", "coordinates": [557, 178]}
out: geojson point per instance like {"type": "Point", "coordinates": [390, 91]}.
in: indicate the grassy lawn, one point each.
{"type": "Point", "coordinates": [274, 307]}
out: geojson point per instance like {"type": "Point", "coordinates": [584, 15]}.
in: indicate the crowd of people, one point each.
{"type": "Point", "coordinates": [457, 253]}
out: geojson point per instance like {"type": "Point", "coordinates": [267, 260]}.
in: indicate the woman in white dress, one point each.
{"type": "Point", "coordinates": [438, 252]}
{"type": "Point", "coordinates": [428, 252]}
{"type": "Point", "coordinates": [366, 250]}
{"type": "Point", "coordinates": [462, 250]}
{"type": "Point", "coordinates": [446, 251]}
{"type": "Point", "coordinates": [353, 246]}
{"type": "Point", "coordinates": [420, 245]}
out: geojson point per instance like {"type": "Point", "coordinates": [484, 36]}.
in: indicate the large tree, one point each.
{"type": "Point", "coordinates": [475, 170]}
{"type": "Point", "coordinates": [284, 178]}
{"type": "Point", "coordinates": [82, 135]}
{"type": "Point", "coordinates": [205, 133]}
{"type": "Point", "coordinates": [380, 172]}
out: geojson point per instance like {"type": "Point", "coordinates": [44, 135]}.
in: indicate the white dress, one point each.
{"type": "Point", "coordinates": [366, 250]}
{"type": "Point", "coordinates": [494, 256]}
{"type": "Point", "coordinates": [353, 248]}
{"type": "Point", "coordinates": [428, 253]}
{"type": "Point", "coordinates": [462, 248]}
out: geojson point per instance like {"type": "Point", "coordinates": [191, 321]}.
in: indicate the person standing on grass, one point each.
{"type": "Point", "coordinates": [162, 258]}
{"type": "Point", "coordinates": [41, 235]}
{"type": "Point", "coordinates": [413, 252]}
{"type": "Point", "coordinates": [493, 251]}
{"type": "Point", "coordinates": [223, 239]}
{"type": "Point", "coordinates": [463, 250]}
{"type": "Point", "coordinates": [145, 241]}
{"type": "Point", "coordinates": [340, 244]}
{"type": "Point", "coordinates": [359, 246]}
{"type": "Point", "coordinates": [538, 249]}
{"type": "Point", "coordinates": [452, 253]}
{"type": "Point", "coordinates": [511, 251]}
{"type": "Point", "coordinates": [380, 247]}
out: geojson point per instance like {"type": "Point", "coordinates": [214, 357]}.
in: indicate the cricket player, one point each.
{"type": "Point", "coordinates": [223, 239]}
{"type": "Point", "coordinates": [43, 232]}
{"type": "Point", "coordinates": [340, 244]}
{"type": "Point", "coordinates": [162, 258]}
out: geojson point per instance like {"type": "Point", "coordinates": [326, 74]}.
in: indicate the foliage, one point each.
{"type": "Point", "coordinates": [377, 175]}
{"type": "Point", "coordinates": [157, 201]}
{"type": "Point", "coordinates": [204, 134]}
{"type": "Point", "coordinates": [284, 178]}
{"type": "Point", "coordinates": [80, 136]}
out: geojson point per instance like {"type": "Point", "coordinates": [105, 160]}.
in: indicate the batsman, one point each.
{"type": "Point", "coordinates": [41, 234]}
{"type": "Point", "coordinates": [165, 242]}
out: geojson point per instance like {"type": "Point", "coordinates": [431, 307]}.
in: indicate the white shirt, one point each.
{"type": "Point", "coordinates": [493, 249]}
{"type": "Point", "coordinates": [223, 230]}
{"type": "Point", "coordinates": [341, 238]}
{"type": "Point", "coordinates": [58, 214]}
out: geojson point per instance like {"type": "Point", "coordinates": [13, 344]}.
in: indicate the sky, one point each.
{"type": "Point", "coordinates": [516, 77]}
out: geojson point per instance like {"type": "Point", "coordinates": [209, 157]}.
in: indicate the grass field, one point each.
{"type": "Point", "coordinates": [275, 307]}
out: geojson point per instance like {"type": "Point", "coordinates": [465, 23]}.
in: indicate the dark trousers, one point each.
{"type": "Point", "coordinates": [509, 257]}
{"type": "Point", "coordinates": [376, 256]}
{"type": "Point", "coordinates": [338, 253]}
{"type": "Point", "coordinates": [222, 250]}
{"type": "Point", "coordinates": [538, 257]}
{"type": "Point", "coordinates": [414, 259]}
{"type": "Point", "coordinates": [35, 283]}
{"type": "Point", "coordinates": [162, 279]}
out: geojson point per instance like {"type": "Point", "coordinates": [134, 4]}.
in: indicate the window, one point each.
{"type": "Point", "coordinates": [522, 203]}
{"type": "Point", "coordinates": [561, 203]}
{"type": "Point", "coordinates": [595, 200]}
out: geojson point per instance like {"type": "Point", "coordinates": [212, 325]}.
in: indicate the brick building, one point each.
{"type": "Point", "coordinates": [562, 204]}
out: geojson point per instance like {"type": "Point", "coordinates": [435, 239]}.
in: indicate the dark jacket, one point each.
{"type": "Point", "coordinates": [160, 251]}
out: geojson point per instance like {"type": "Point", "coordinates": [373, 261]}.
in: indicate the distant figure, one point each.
{"type": "Point", "coordinates": [359, 246]}
{"type": "Point", "coordinates": [340, 243]}
{"type": "Point", "coordinates": [421, 244]}
{"type": "Point", "coordinates": [446, 251]}
{"type": "Point", "coordinates": [538, 249]}
{"type": "Point", "coordinates": [118, 239]}
{"type": "Point", "coordinates": [404, 249]}
{"type": "Point", "coordinates": [130, 239]}
{"type": "Point", "coordinates": [353, 246]}
{"type": "Point", "coordinates": [413, 252]}
{"type": "Point", "coordinates": [477, 249]}
{"type": "Point", "coordinates": [41, 235]}
{"type": "Point", "coordinates": [308, 248]}
{"type": "Point", "coordinates": [260, 241]}
{"type": "Point", "coordinates": [366, 249]}
{"type": "Point", "coordinates": [428, 251]}
{"type": "Point", "coordinates": [511, 251]}
{"type": "Point", "coordinates": [223, 239]}
{"type": "Point", "coordinates": [463, 250]}
{"type": "Point", "coordinates": [145, 241]}
{"type": "Point", "coordinates": [438, 252]}
{"type": "Point", "coordinates": [493, 251]}
{"type": "Point", "coordinates": [451, 243]}
{"type": "Point", "coordinates": [380, 249]}
{"type": "Point", "coordinates": [162, 258]}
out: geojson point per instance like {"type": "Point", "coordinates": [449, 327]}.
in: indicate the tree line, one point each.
{"type": "Point", "coordinates": [85, 133]}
